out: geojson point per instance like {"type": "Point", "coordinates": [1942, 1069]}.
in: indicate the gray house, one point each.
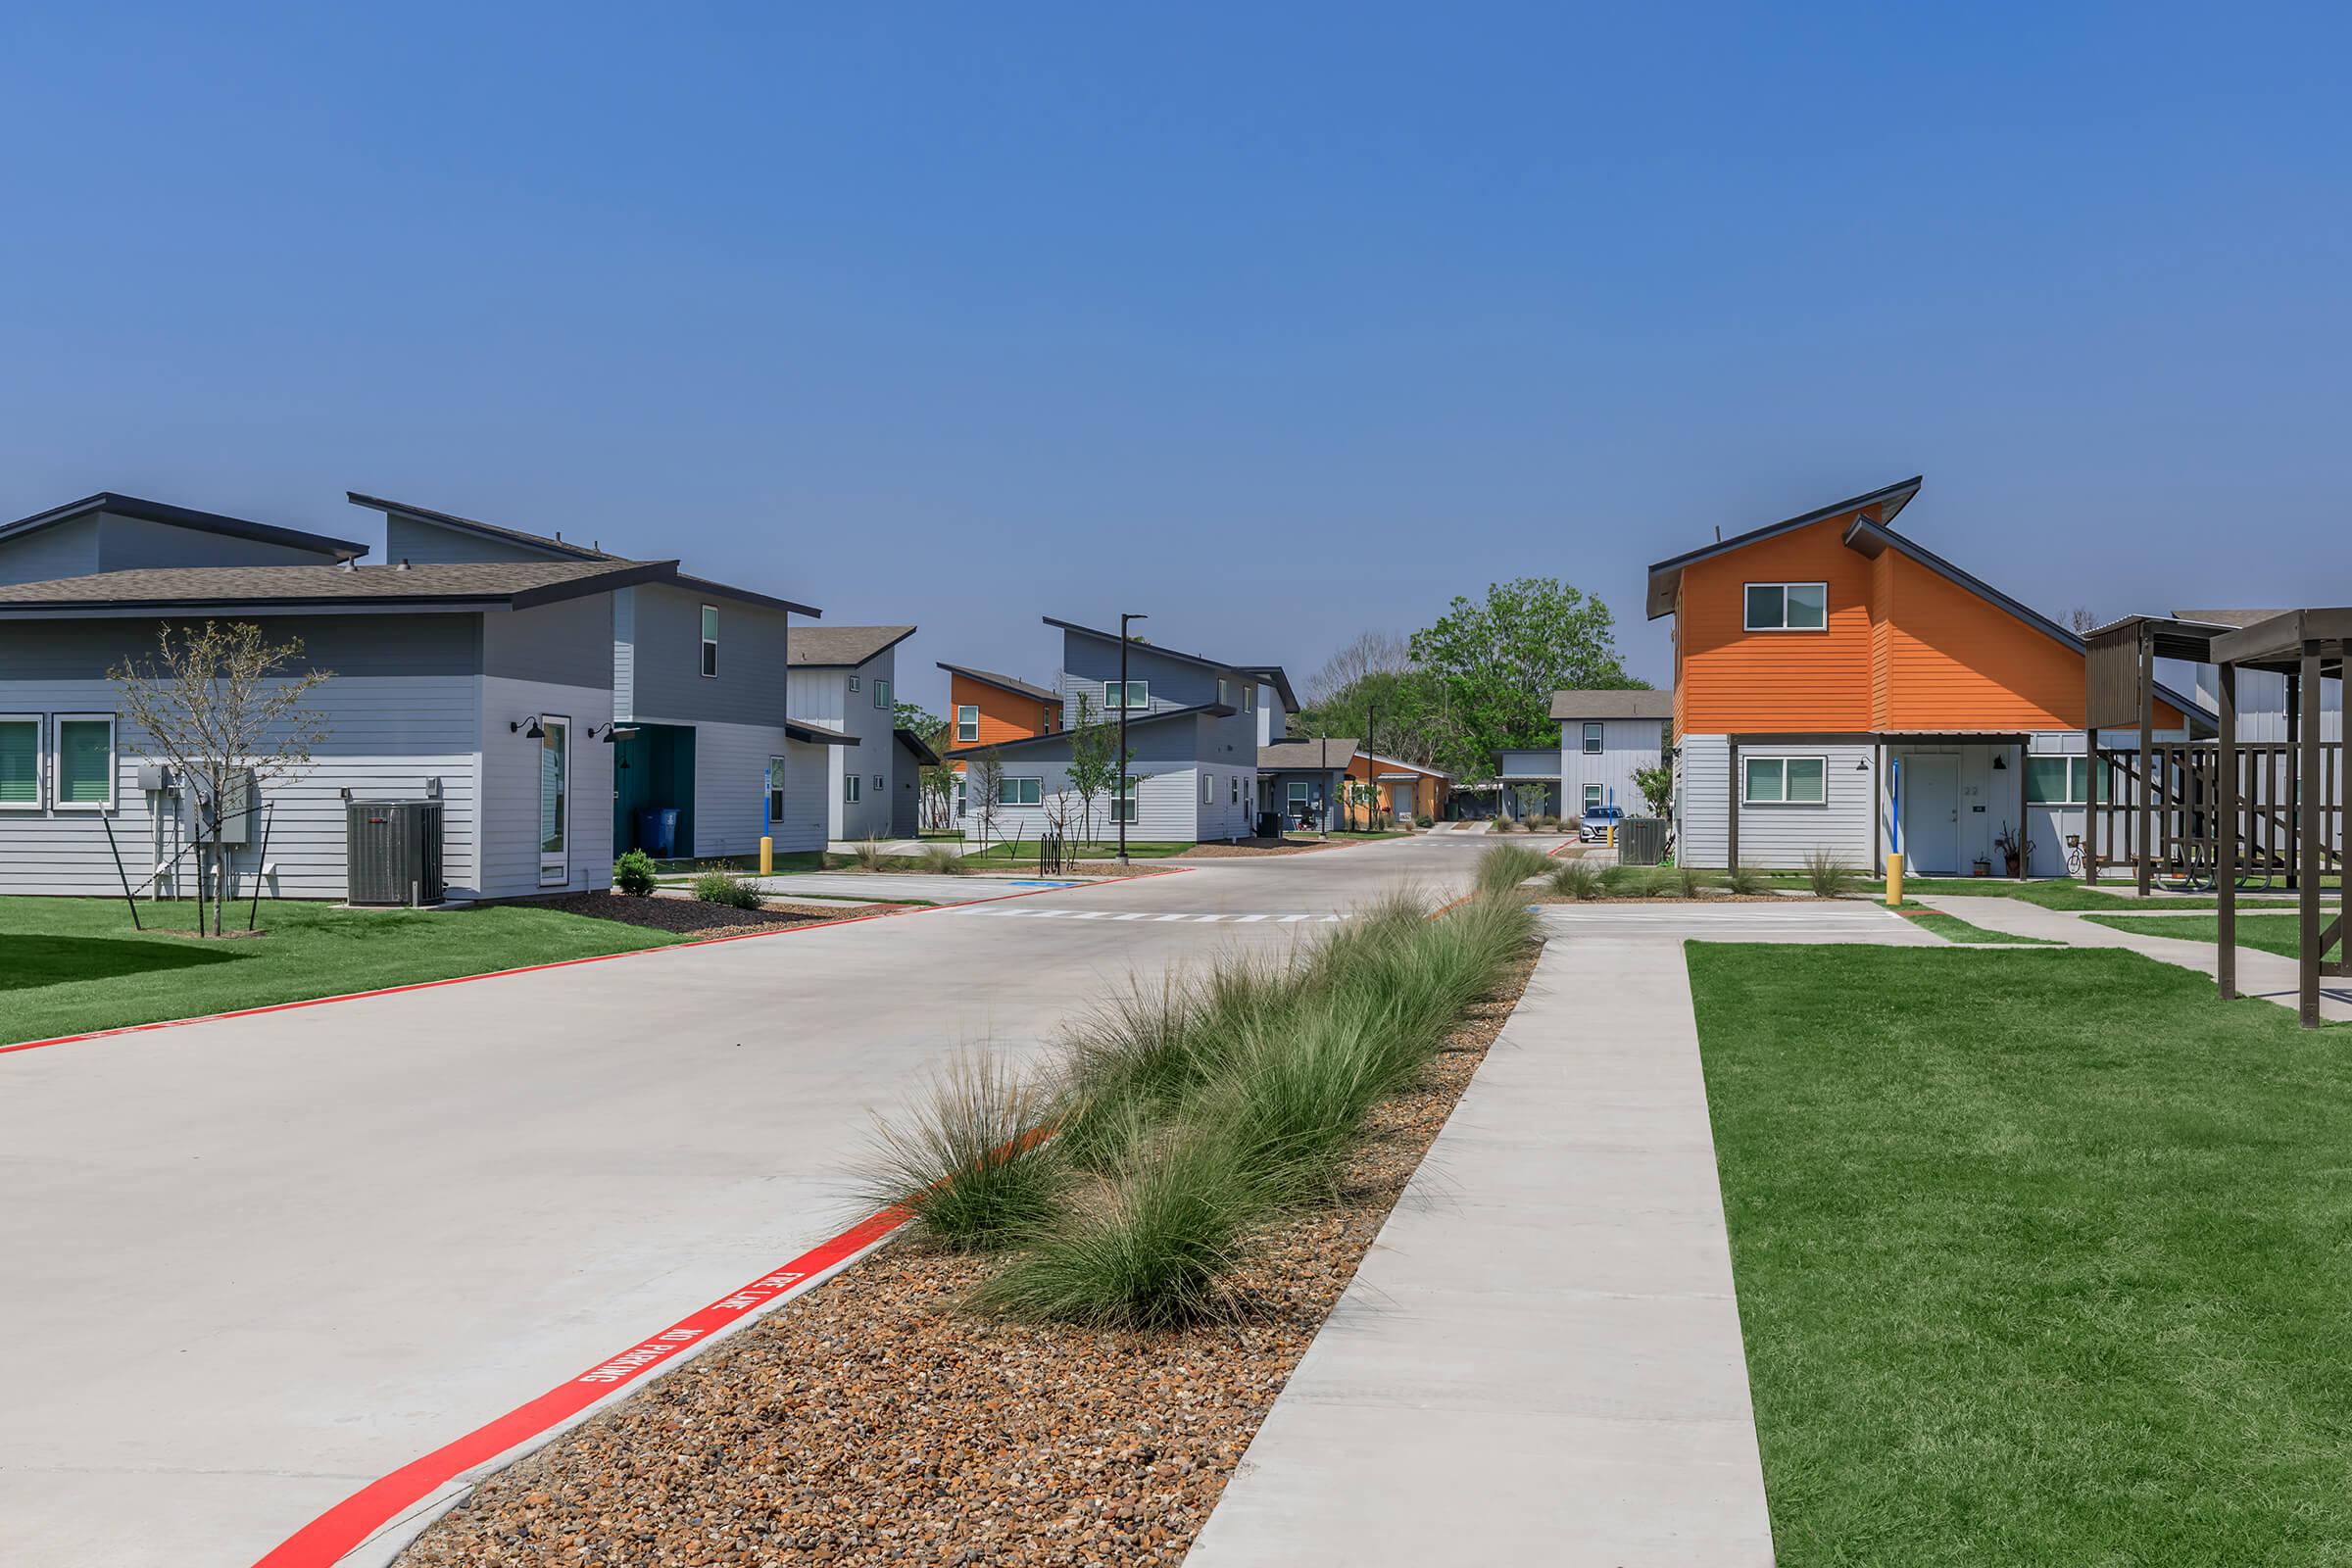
{"type": "Point", "coordinates": [1605, 737]}
{"type": "Point", "coordinates": [1304, 779]}
{"type": "Point", "coordinates": [498, 672]}
{"type": "Point", "coordinates": [1192, 735]}
{"type": "Point", "coordinates": [843, 678]}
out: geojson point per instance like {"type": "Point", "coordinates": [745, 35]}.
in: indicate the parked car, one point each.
{"type": "Point", "coordinates": [1596, 824]}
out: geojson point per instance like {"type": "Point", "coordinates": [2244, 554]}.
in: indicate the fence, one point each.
{"type": "Point", "coordinates": [2182, 795]}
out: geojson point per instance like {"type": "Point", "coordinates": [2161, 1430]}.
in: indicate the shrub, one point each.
{"type": "Point", "coordinates": [868, 852]}
{"type": "Point", "coordinates": [1504, 868]}
{"type": "Point", "coordinates": [1578, 879]}
{"type": "Point", "coordinates": [940, 861]}
{"type": "Point", "coordinates": [965, 1161]}
{"type": "Point", "coordinates": [1689, 881]}
{"type": "Point", "coordinates": [1424, 819]}
{"type": "Point", "coordinates": [725, 887]}
{"type": "Point", "coordinates": [634, 873]}
{"type": "Point", "coordinates": [1746, 880]}
{"type": "Point", "coordinates": [1502, 824]}
{"type": "Point", "coordinates": [1626, 881]}
{"type": "Point", "coordinates": [1828, 874]}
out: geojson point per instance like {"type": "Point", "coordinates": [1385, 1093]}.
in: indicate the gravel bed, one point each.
{"type": "Point", "coordinates": [689, 918]}
{"type": "Point", "coordinates": [871, 1422]}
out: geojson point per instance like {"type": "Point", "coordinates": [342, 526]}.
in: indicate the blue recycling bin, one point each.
{"type": "Point", "coordinates": [658, 832]}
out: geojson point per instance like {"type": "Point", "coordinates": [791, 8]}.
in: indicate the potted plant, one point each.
{"type": "Point", "coordinates": [1983, 867]}
{"type": "Point", "coordinates": [2014, 848]}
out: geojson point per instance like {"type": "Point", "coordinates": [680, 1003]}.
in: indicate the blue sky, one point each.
{"type": "Point", "coordinates": [1278, 324]}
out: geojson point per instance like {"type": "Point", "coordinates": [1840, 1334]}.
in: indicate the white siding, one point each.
{"type": "Point", "coordinates": [805, 773]}
{"type": "Point", "coordinates": [1772, 837]}
{"type": "Point", "coordinates": [510, 763]}
{"type": "Point", "coordinates": [1627, 744]}
{"type": "Point", "coordinates": [730, 788]}
{"type": "Point", "coordinates": [823, 695]}
{"type": "Point", "coordinates": [1167, 804]}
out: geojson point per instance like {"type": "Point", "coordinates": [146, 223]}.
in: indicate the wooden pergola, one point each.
{"type": "Point", "coordinates": [2307, 646]}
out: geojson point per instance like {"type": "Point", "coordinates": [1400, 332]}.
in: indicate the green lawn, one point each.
{"type": "Point", "coordinates": [2063, 894]}
{"type": "Point", "coordinates": [2043, 1259]}
{"type": "Point", "coordinates": [1953, 928]}
{"type": "Point", "coordinates": [2271, 933]}
{"type": "Point", "coordinates": [67, 966]}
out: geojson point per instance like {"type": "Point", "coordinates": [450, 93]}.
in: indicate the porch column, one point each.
{"type": "Point", "coordinates": [2091, 804]}
{"type": "Point", "coordinates": [2024, 858]}
{"type": "Point", "coordinates": [1731, 811]}
{"type": "Point", "coordinates": [2308, 861]}
{"type": "Point", "coordinates": [2147, 746]}
{"type": "Point", "coordinates": [2225, 853]}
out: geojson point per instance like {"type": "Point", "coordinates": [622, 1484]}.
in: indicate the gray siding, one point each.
{"type": "Point", "coordinates": [804, 826]}
{"type": "Point", "coordinates": [417, 540]}
{"type": "Point", "coordinates": [624, 654]}
{"type": "Point", "coordinates": [132, 544]}
{"type": "Point", "coordinates": [64, 550]}
{"type": "Point", "coordinates": [1088, 662]}
{"type": "Point", "coordinates": [669, 683]}
{"type": "Point", "coordinates": [730, 787]}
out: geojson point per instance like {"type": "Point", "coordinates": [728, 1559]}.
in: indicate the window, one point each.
{"type": "Point", "coordinates": [1592, 739]}
{"type": "Point", "coordinates": [1137, 693]}
{"type": "Point", "coordinates": [853, 683]}
{"type": "Point", "coordinates": [2059, 781]}
{"type": "Point", "coordinates": [881, 783]}
{"type": "Point", "coordinates": [1224, 692]}
{"type": "Point", "coordinates": [967, 725]}
{"type": "Point", "coordinates": [1301, 792]}
{"type": "Point", "coordinates": [1123, 809]}
{"type": "Point", "coordinates": [1208, 789]}
{"type": "Point", "coordinates": [85, 762]}
{"type": "Point", "coordinates": [1249, 698]}
{"type": "Point", "coordinates": [19, 761]}
{"type": "Point", "coordinates": [775, 790]}
{"type": "Point", "coordinates": [1237, 791]}
{"type": "Point", "coordinates": [1592, 797]}
{"type": "Point", "coordinates": [881, 694]}
{"type": "Point", "coordinates": [1785, 780]}
{"type": "Point", "coordinates": [710, 639]}
{"type": "Point", "coordinates": [1788, 606]}
{"type": "Point", "coordinates": [853, 789]}
{"type": "Point", "coordinates": [1019, 791]}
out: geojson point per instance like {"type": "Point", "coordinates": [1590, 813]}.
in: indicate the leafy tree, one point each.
{"type": "Point", "coordinates": [1394, 713]}
{"type": "Point", "coordinates": [927, 726]}
{"type": "Point", "coordinates": [987, 775]}
{"type": "Point", "coordinates": [216, 705]}
{"type": "Point", "coordinates": [1496, 664]}
{"type": "Point", "coordinates": [1656, 785]}
{"type": "Point", "coordinates": [1532, 799]}
{"type": "Point", "coordinates": [1094, 762]}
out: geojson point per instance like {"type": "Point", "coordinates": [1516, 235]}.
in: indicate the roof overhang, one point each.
{"type": "Point", "coordinates": [184, 518]}
{"type": "Point", "coordinates": [1197, 711]}
{"type": "Point", "coordinates": [914, 743]}
{"type": "Point", "coordinates": [625, 575]}
{"type": "Point", "coordinates": [849, 664]}
{"type": "Point", "coordinates": [1272, 674]}
{"type": "Point", "coordinates": [1666, 576]}
{"type": "Point", "coordinates": [816, 734]}
{"type": "Point", "coordinates": [2277, 643]}
{"type": "Point", "coordinates": [1009, 684]}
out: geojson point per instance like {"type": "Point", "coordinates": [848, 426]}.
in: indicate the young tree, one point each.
{"type": "Point", "coordinates": [1094, 762]}
{"type": "Point", "coordinates": [1362, 793]}
{"type": "Point", "coordinates": [987, 779]}
{"type": "Point", "coordinates": [1531, 799]}
{"type": "Point", "coordinates": [927, 726]}
{"type": "Point", "coordinates": [216, 704]}
{"type": "Point", "coordinates": [1656, 785]}
{"type": "Point", "coordinates": [939, 795]}
{"type": "Point", "coordinates": [1495, 665]}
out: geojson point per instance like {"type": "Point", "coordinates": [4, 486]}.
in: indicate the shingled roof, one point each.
{"type": "Point", "coordinates": [514, 585]}
{"type": "Point", "coordinates": [1614, 704]}
{"type": "Point", "coordinates": [842, 647]}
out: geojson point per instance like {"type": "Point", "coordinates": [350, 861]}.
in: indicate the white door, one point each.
{"type": "Point", "coordinates": [1931, 816]}
{"type": "Point", "coordinates": [554, 801]}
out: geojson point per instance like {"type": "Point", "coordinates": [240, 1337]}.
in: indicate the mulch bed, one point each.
{"type": "Point", "coordinates": [872, 1422]}
{"type": "Point", "coordinates": [692, 918]}
{"type": "Point", "coordinates": [1247, 849]}
{"type": "Point", "coordinates": [1705, 897]}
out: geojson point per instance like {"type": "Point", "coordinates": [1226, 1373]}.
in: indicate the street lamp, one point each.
{"type": "Point", "coordinates": [1122, 798]}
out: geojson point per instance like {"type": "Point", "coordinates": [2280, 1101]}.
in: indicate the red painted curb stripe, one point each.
{"type": "Point", "coordinates": [349, 1524]}
{"type": "Point", "coordinates": [557, 963]}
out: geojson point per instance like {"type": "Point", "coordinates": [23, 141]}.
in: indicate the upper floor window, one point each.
{"type": "Point", "coordinates": [1788, 606]}
{"type": "Point", "coordinates": [1136, 694]}
{"type": "Point", "coordinates": [1249, 698]}
{"type": "Point", "coordinates": [967, 725]}
{"type": "Point", "coordinates": [853, 683]}
{"type": "Point", "coordinates": [881, 694]}
{"type": "Point", "coordinates": [710, 639]}
{"type": "Point", "coordinates": [1592, 738]}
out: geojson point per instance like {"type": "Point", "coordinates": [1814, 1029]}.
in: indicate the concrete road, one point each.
{"type": "Point", "coordinates": [255, 1264]}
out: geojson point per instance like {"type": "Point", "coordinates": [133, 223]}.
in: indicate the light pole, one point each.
{"type": "Point", "coordinates": [1371, 767]}
{"type": "Point", "coordinates": [1122, 798]}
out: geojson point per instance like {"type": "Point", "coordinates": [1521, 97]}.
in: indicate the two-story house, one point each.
{"type": "Point", "coordinates": [1837, 681]}
{"type": "Point", "coordinates": [986, 708]}
{"type": "Point", "coordinates": [510, 677]}
{"type": "Point", "coordinates": [1606, 737]}
{"type": "Point", "coordinates": [1192, 736]}
{"type": "Point", "coordinates": [845, 678]}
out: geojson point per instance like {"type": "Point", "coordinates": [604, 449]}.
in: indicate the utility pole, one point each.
{"type": "Point", "coordinates": [1123, 801]}
{"type": "Point", "coordinates": [1371, 769]}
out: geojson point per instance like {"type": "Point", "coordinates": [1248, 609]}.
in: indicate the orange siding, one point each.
{"type": "Point", "coordinates": [1882, 637]}
{"type": "Point", "coordinates": [1003, 716]}
{"type": "Point", "coordinates": [1958, 660]}
{"type": "Point", "coordinates": [1735, 680]}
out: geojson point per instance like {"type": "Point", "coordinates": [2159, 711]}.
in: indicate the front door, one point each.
{"type": "Point", "coordinates": [554, 801]}
{"type": "Point", "coordinates": [1400, 799]}
{"type": "Point", "coordinates": [1931, 816]}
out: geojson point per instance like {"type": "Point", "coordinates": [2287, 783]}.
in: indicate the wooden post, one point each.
{"type": "Point", "coordinates": [2091, 804]}
{"type": "Point", "coordinates": [1732, 812]}
{"type": "Point", "coordinates": [2024, 858]}
{"type": "Point", "coordinates": [2294, 752]}
{"type": "Point", "coordinates": [2307, 830]}
{"type": "Point", "coordinates": [2225, 853]}
{"type": "Point", "coordinates": [2147, 766]}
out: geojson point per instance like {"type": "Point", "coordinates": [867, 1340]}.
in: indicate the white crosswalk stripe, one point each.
{"type": "Point", "coordinates": [1171, 917]}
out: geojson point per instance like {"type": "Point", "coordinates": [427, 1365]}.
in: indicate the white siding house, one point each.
{"type": "Point", "coordinates": [843, 679]}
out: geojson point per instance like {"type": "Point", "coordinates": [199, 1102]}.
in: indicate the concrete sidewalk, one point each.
{"type": "Point", "coordinates": [2262, 974]}
{"type": "Point", "coordinates": [1539, 1359]}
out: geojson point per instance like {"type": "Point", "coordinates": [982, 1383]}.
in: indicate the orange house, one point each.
{"type": "Point", "coordinates": [1839, 687]}
{"type": "Point", "coordinates": [986, 709]}
{"type": "Point", "coordinates": [1402, 791]}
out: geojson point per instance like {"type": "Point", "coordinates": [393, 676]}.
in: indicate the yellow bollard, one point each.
{"type": "Point", "coordinates": [1894, 880]}
{"type": "Point", "coordinates": [767, 856]}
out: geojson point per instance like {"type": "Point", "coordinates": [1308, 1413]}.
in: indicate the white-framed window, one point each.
{"type": "Point", "coordinates": [710, 640]}
{"type": "Point", "coordinates": [1237, 791]}
{"type": "Point", "coordinates": [881, 694]}
{"type": "Point", "coordinates": [880, 782]}
{"type": "Point", "coordinates": [1301, 792]}
{"type": "Point", "coordinates": [1224, 692]}
{"type": "Point", "coordinates": [854, 683]}
{"type": "Point", "coordinates": [851, 789]}
{"type": "Point", "coordinates": [1592, 738]}
{"type": "Point", "coordinates": [19, 761]}
{"type": "Point", "coordinates": [84, 766]}
{"type": "Point", "coordinates": [1785, 781]}
{"type": "Point", "coordinates": [1012, 791]}
{"type": "Point", "coordinates": [1122, 806]}
{"type": "Point", "coordinates": [967, 725]}
{"type": "Point", "coordinates": [1249, 698]}
{"type": "Point", "coordinates": [1134, 695]}
{"type": "Point", "coordinates": [1208, 789]}
{"type": "Point", "coordinates": [2059, 781]}
{"type": "Point", "coordinates": [1592, 798]}
{"type": "Point", "coordinates": [1788, 606]}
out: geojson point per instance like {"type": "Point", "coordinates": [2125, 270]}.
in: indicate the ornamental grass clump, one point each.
{"type": "Point", "coordinates": [967, 1160]}
{"type": "Point", "coordinates": [1828, 874]}
{"type": "Point", "coordinates": [1578, 879]}
{"type": "Point", "coordinates": [1690, 882]}
{"type": "Point", "coordinates": [1506, 865]}
{"type": "Point", "coordinates": [940, 861]}
{"type": "Point", "coordinates": [1626, 881]}
{"type": "Point", "coordinates": [1747, 881]}
{"type": "Point", "coordinates": [868, 853]}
